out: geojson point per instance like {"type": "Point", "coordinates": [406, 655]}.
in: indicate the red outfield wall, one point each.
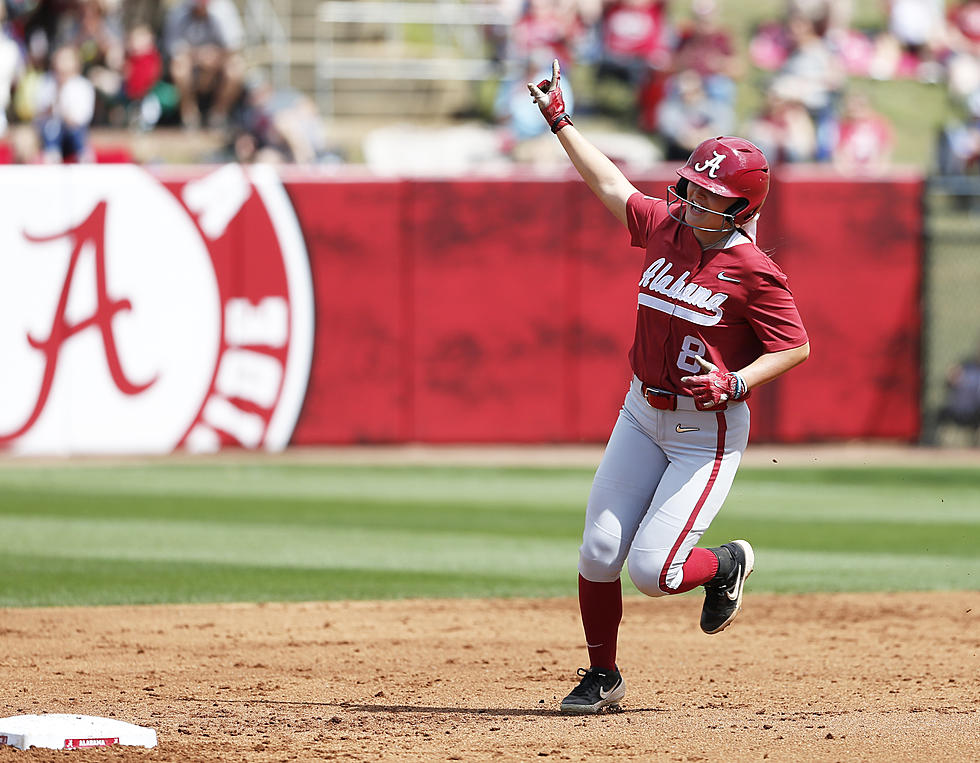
{"type": "Point", "coordinates": [198, 308]}
{"type": "Point", "coordinates": [502, 310]}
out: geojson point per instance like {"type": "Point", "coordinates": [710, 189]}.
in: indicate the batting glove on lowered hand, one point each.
{"type": "Point", "coordinates": [550, 100]}
{"type": "Point", "coordinates": [712, 387]}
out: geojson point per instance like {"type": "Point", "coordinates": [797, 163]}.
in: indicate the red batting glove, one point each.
{"type": "Point", "coordinates": [712, 387]}
{"type": "Point", "coordinates": [550, 100]}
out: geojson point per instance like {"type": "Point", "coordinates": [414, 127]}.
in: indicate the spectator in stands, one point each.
{"type": "Point", "coordinates": [959, 143]}
{"type": "Point", "coordinates": [203, 42]}
{"type": "Point", "coordinates": [962, 404]}
{"type": "Point", "coordinates": [783, 129]}
{"type": "Point", "coordinates": [152, 13]}
{"type": "Point", "coordinates": [30, 17]}
{"type": "Point", "coordinates": [552, 25]}
{"type": "Point", "coordinates": [25, 97]}
{"type": "Point", "coordinates": [832, 21]}
{"type": "Point", "coordinates": [913, 42]}
{"type": "Point", "coordinates": [828, 16]}
{"type": "Point", "coordinates": [94, 29]}
{"type": "Point", "coordinates": [769, 45]}
{"type": "Point", "coordinates": [964, 22]}
{"type": "Point", "coordinates": [520, 119]}
{"type": "Point", "coordinates": [25, 144]}
{"type": "Point", "coordinates": [18, 15]}
{"type": "Point", "coordinates": [857, 51]}
{"type": "Point", "coordinates": [589, 13]}
{"type": "Point", "coordinates": [963, 61]}
{"type": "Point", "coordinates": [688, 115]}
{"type": "Point", "coordinates": [812, 71]}
{"type": "Point", "coordinates": [279, 126]}
{"type": "Point", "coordinates": [636, 40]}
{"type": "Point", "coordinates": [66, 103]}
{"type": "Point", "coordinates": [864, 137]}
{"type": "Point", "coordinates": [772, 42]}
{"type": "Point", "coordinates": [636, 37]}
{"type": "Point", "coordinates": [11, 67]}
{"type": "Point", "coordinates": [145, 96]}
{"type": "Point", "coordinates": [706, 47]}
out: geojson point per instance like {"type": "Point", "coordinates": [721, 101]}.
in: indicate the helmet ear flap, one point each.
{"type": "Point", "coordinates": [682, 187]}
{"type": "Point", "coordinates": [737, 207]}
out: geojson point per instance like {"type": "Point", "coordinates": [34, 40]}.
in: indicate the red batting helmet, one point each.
{"type": "Point", "coordinates": [731, 167]}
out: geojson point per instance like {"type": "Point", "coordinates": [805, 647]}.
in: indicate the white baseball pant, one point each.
{"type": "Point", "coordinates": [662, 480]}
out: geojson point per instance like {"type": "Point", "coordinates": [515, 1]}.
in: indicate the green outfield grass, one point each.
{"type": "Point", "coordinates": [77, 535]}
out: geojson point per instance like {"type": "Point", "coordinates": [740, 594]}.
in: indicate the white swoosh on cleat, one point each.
{"type": "Point", "coordinates": [736, 590]}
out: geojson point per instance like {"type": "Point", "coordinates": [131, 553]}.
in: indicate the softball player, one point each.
{"type": "Point", "coordinates": [715, 318]}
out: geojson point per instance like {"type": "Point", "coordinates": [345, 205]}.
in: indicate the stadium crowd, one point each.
{"type": "Point", "coordinates": [684, 75]}
{"type": "Point", "coordinates": [69, 65]}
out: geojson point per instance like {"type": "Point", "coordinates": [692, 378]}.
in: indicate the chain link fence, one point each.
{"type": "Point", "coordinates": [951, 302]}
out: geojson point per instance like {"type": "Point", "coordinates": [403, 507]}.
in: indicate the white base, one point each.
{"type": "Point", "coordinates": [69, 732]}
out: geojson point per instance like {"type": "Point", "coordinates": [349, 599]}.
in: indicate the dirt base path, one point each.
{"type": "Point", "coordinates": [877, 677]}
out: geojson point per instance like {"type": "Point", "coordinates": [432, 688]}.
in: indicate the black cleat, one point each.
{"type": "Point", "coordinates": [598, 689]}
{"type": "Point", "coordinates": [723, 598]}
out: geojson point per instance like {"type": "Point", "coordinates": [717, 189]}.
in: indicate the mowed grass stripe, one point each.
{"type": "Point", "coordinates": [924, 474]}
{"type": "Point", "coordinates": [36, 580]}
{"type": "Point", "coordinates": [42, 581]}
{"type": "Point", "coordinates": [544, 488]}
{"type": "Point", "coordinates": [367, 548]}
{"type": "Point", "coordinates": [949, 539]}
{"type": "Point", "coordinates": [330, 493]}
{"type": "Point", "coordinates": [804, 502]}
{"type": "Point", "coordinates": [472, 485]}
{"type": "Point", "coordinates": [791, 571]}
{"type": "Point", "coordinates": [398, 531]}
{"type": "Point", "coordinates": [431, 539]}
{"type": "Point", "coordinates": [394, 550]}
{"type": "Point", "coordinates": [452, 516]}
{"type": "Point", "coordinates": [153, 525]}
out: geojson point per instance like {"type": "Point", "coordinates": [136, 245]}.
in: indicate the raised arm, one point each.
{"type": "Point", "coordinates": [598, 172]}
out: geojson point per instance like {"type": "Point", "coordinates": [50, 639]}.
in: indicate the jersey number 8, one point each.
{"type": "Point", "coordinates": [690, 347]}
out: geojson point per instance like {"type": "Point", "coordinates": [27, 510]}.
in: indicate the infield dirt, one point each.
{"type": "Point", "coordinates": [854, 677]}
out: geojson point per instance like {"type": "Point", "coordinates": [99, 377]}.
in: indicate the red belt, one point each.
{"type": "Point", "coordinates": [663, 400]}
{"type": "Point", "coordinates": [660, 399]}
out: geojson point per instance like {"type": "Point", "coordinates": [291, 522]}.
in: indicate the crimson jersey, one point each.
{"type": "Point", "coordinates": [729, 303]}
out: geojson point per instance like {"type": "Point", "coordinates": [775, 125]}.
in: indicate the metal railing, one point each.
{"type": "Point", "coordinates": [456, 29]}
{"type": "Point", "coordinates": [269, 37]}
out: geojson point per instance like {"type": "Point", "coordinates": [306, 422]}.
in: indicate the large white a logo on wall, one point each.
{"type": "Point", "coordinates": [143, 316]}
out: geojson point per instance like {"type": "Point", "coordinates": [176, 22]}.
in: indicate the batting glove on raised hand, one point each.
{"type": "Point", "coordinates": [712, 387]}
{"type": "Point", "coordinates": [550, 100]}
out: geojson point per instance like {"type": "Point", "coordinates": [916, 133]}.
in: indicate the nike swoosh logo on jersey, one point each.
{"type": "Point", "coordinates": [723, 277]}
{"type": "Point", "coordinates": [681, 430]}
{"type": "Point", "coordinates": [735, 591]}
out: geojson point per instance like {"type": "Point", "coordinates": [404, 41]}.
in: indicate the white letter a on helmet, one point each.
{"type": "Point", "coordinates": [712, 165]}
